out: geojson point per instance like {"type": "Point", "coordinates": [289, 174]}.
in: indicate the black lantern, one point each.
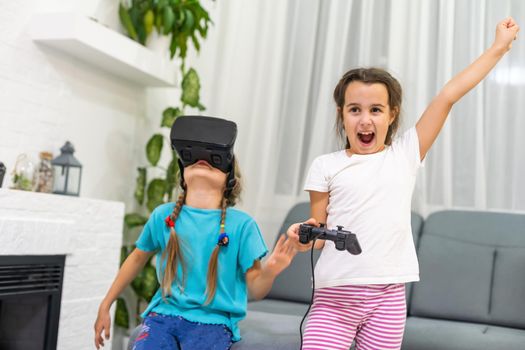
{"type": "Point", "coordinates": [2, 173]}
{"type": "Point", "coordinates": [67, 172]}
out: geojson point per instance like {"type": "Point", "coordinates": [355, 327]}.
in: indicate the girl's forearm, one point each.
{"type": "Point", "coordinates": [261, 284]}
{"type": "Point", "coordinates": [466, 80]}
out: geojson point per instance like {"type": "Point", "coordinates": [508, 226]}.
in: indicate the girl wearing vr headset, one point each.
{"type": "Point", "coordinates": [208, 258]}
{"type": "Point", "coordinates": [367, 188]}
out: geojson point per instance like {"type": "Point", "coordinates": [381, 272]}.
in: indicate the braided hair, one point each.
{"type": "Point", "coordinates": [173, 252]}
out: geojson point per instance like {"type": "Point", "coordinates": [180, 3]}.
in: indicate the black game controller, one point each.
{"type": "Point", "coordinates": [342, 239]}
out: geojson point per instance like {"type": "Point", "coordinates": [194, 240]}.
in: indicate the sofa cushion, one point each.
{"type": "Point", "coordinates": [267, 330]}
{"type": "Point", "coordinates": [417, 225]}
{"type": "Point", "coordinates": [416, 222]}
{"type": "Point", "coordinates": [468, 260]}
{"type": "Point", "coordinates": [278, 307]}
{"type": "Point", "coordinates": [432, 334]}
{"type": "Point", "coordinates": [508, 293]}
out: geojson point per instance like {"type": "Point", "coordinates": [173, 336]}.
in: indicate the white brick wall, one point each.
{"type": "Point", "coordinates": [47, 97]}
{"type": "Point", "coordinates": [88, 231]}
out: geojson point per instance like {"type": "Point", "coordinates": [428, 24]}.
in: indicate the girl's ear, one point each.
{"type": "Point", "coordinates": [393, 115]}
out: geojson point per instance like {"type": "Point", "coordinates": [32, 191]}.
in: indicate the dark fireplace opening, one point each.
{"type": "Point", "coordinates": [30, 293]}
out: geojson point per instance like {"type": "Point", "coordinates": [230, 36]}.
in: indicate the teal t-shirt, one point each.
{"type": "Point", "coordinates": [198, 231]}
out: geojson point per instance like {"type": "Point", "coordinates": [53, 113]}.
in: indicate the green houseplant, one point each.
{"type": "Point", "coordinates": [182, 21]}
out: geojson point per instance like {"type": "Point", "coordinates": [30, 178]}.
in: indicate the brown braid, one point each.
{"type": "Point", "coordinates": [174, 254]}
{"type": "Point", "coordinates": [211, 282]}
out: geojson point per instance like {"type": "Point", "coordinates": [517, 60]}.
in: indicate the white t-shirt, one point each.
{"type": "Point", "coordinates": [370, 195]}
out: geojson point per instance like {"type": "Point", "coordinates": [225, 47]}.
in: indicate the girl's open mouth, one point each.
{"type": "Point", "coordinates": [366, 137]}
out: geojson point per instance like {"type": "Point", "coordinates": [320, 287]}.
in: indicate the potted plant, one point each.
{"type": "Point", "coordinates": [182, 21]}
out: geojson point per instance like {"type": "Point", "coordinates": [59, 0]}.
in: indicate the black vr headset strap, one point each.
{"type": "Point", "coordinates": [230, 180]}
{"type": "Point", "coordinates": [181, 171]}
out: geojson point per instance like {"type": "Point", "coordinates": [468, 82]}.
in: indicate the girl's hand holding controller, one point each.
{"type": "Point", "coordinates": [293, 234]}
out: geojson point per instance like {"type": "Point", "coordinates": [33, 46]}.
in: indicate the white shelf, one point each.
{"type": "Point", "coordinates": [104, 48]}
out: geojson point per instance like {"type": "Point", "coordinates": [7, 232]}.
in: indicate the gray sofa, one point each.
{"type": "Point", "coordinates": [471, 294]}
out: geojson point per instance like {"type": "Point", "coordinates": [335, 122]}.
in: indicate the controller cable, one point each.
{"type": "Point", "coordinates": [313, 290]}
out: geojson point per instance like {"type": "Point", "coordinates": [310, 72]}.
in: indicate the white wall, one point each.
{"type": "Point", "coordinates": [47, 97]}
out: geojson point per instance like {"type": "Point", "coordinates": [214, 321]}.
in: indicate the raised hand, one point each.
{"type": "Point", "coordinates": [282, 255]}
{"type": "Point", "coordinates": [506, 32]}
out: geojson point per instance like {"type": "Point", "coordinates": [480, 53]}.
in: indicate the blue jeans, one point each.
{"type": "Point", "coordinates": [176, 333]}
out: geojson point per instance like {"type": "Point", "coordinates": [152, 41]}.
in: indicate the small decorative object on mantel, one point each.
{"type": "Point", "coordinates": [2, 173]}
{"type": "Point", "coordinates": [43, 181]}
{"type": "Point", "coordinates": [23, 173]}
{"type": "Point", "coordinates": [67, 172]}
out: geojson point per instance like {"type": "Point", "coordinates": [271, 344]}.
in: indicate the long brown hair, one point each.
{"type": "Point", "coordinates": [369, 76]}
{"type": "Point", "coordinates": [173, 254]}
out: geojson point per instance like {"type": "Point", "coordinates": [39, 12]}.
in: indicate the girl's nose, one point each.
{"type": "Point", "coordinates": [366, 119]}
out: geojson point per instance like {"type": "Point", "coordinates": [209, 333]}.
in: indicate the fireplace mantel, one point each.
{"type": "Point", "coordinates": [87, 231]}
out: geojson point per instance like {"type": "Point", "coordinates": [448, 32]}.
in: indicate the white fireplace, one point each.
{"type": "Point", "coordinates": [87, 231]}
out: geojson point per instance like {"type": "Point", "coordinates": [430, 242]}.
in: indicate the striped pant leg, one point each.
{"type": "Point", "coordinates": [384, 325]}
{"type": "Point", "coordinates": [333, 319]}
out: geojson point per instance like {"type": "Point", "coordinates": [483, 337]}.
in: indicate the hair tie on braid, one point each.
{"type": "Point", "coordinates": [223, 239]}
{"type": "Point", "coordinates": [169, 221]}
{"type": "Point", "coordinates": [223, 236]}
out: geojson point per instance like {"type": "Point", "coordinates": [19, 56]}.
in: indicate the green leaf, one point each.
{"type": "Point", "coordinates": [136, 13]}
{"type": "Point", "coordinates": [180, 18]}
{"type": "Point", "coordinates": [122, 314]}
{"type": "Point", "coordinates": [154, 149]}
{"type": "Point", "coordinates": [156, 190]}
{"type": "Point", "coordinates": [123, 254]}
{"type": "Point", "coordinates": [189, 22]}
{"type": "Point", "coordinates": [142, 5]}
{"type": "Point", "coordinates": [172, 176]}
{"type": "Point", "coordinates": [126, 21]}
{"type": "Point", "coordinates": [145, 284]}
{"type": "Point", "coordinates": [141, 31]}
{"type": "Point", "coordinates": [149, 19]}
{"type": "Point", "coordinates": [150, 283]}
{"type": "Point", "coordinates": [134, 220]}
{"type": "Point", "coordinates": [169, 115]}
{"type": "Point", "coordinates": [195, 42]}
{"type": "Point", "coordinates": [174, 45]}
{"type": "Point", "coordinates": [140, 185]}
{"type": "Point", "coordinates": [168, 19]}
{"type": "Point", "coordinates": [158, 21]}
{"type": "Point", "coordinates": [190, 88]}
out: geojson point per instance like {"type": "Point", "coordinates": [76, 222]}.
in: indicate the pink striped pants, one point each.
{"type": "Point", "coordinates": [373, 314]}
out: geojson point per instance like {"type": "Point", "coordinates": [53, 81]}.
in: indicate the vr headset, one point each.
{"type": "Point", "coordinates": [210, 139]}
